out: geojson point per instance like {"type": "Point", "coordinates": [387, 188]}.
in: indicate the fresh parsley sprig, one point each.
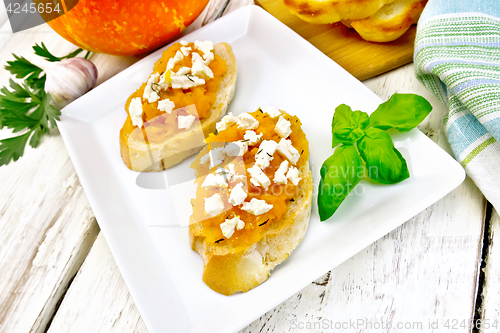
{"type": "Point", "coordinates": [26, 107]}
{"type": "Point", "coordinates": [23, 69]}
{"type": "Point", "coordinates": [365, 148]}
{"type": "Point", "coordinates": [42, 51]}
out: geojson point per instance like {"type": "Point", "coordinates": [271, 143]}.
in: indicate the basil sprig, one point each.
{"type": "Point", "coordinates": [364, 148]}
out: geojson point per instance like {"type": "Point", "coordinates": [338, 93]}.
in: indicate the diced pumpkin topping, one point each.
{"type": "Point", "coordinates": [168, 109]}
{"type": "Point", "coordinates": [261, 170]}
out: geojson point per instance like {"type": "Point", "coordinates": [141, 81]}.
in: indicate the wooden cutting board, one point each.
{"type": "Point", "coordinates": [360, 58]}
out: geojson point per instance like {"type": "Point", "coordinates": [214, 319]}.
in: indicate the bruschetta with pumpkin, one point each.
{"type": "Point", "coordinates": [170, 115]}
{"type": "Point", "coordinates": [253, 198]}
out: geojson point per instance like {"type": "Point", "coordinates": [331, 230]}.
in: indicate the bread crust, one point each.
{"type": "Point", "coordinates": [228, 270]}
{"type": "Point", "coordinates": [138, 155]}
{"type": "Point", "coordinates": [331, 11]}
{"type": "Point", "coordinates": [391, 21]}
{"type": "Point", "coordinates": [374, 20]}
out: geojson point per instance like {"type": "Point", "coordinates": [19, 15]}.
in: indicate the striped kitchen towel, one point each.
{"type": "Point", "coordinates": [457, 57]}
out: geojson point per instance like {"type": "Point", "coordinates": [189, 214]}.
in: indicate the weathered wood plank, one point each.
{"type": "Point", "coordinates": [490, 307]}
{"type": "Point", "coordinates": [98, 299]}
{"type": "Point", "coordinates": [46, 229]}
{"type": "Point", "coordinates": [46, 224]}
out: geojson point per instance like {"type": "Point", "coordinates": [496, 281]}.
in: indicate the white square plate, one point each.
{"type": "Point", "coordinates": [275, 67]}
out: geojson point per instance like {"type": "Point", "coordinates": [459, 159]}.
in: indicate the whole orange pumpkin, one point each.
{"type": "Point", "coordinates": [126, 27]}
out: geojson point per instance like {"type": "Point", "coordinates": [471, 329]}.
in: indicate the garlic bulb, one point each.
{"type": "Point", "coordinates": [69, 79]}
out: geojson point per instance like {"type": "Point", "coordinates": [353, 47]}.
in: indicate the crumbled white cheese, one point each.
{"type": "Point", "coordinates": [259, 178]}
{"type": "Point", "coordinates": [225, 174]}
{"type": "Point", "coordinates": [243, 147]}
{"type": "Point", "coordinates": [247, 121]}
{"type": "Point", "coordinates": [206, 47]}
{"type": "Point", "coordinates": [153, 97]}
{"type": "Point", "coordinates": [149, 93]}
{"type": "Point", "coordinates": [240, 224]}
{"type": "Point", "coordinates": [183, 42]}
{"type": "Point", "coordinates": [212, 180]}
{"type": "Point", "coordinates": [135, 111]}
{"type": "Point", "coordinates": [283, 127]}
{"type": "Point", "coordinates": [173, 61]}
{"type": "Point", "coordinates": [185, 81]}
{"type": "Point", "coordinates": [182, 71]}
{"type": "Point", "coordinates": [252, 137]}
{"type": "Point", "coordinates": [256, 206]}
{"type": "Point", "coordinates": [227, 227]}
{"type": "Point", "coordinates": [232, 149]}
{"type": "Point", "coordinates": [214, 205]}
{"type": "Point", "coordinates": [265, 153]}
{"type": "Point", "coordinates": [286, 149]}
{"type": "Point", "coordinates": [230, 173]}
{"type": "Point", "coordinates": [217, 156]}
{"type": "Point", "coordinates": [166, 105]}
{"type": "Point", "coordinates": [293, 175]}
{"type": "Point", "coordinates": [225, 122]}
{"type": "Point", "coordinates": [185, 50]}
{"type": "Point", "coordinates": [184, 122]}
{"type": "Point", "coordinates": [205, 158]}
{"type": "Point", "coordinates": [199, 68]}
{"type": "Point", "coordinates": [154, 78]}
{"type": "Point", "coordinates": [162, 83]}
{"type": "Point", "coordinates": [236, 148]}
{"type": "Point", "coordinates": [279, 175]}
{"type": "Point", "coordinates": [272, 111]}
{"type": "Point", "coordinates": [238, 195]}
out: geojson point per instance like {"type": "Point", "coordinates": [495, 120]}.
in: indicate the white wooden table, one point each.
{"type": "Point", "coordinates": [58, 275]}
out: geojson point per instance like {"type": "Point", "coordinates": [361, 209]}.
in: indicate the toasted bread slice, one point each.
{"type": "Point", "coordinates": [244, 260]}
{"type": "Point", "coordinates": [144, 152]}
{"type": "Point", "coordinates": [391, 21]}
{"type": "Point", "coordinates": [331, 11]}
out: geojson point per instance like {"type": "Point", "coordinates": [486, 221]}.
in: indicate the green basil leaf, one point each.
{"type": "Point", "coordinates": [339, 174]}
{"type": "Point", "coordinates": [348, 125]}
{"type": "Point", "coordinates": [401, 111]}
{"type": "Point", "coordinates": [384, 163]}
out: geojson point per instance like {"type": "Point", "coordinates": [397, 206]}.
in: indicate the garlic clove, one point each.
{"type": "Point", "coordinates": [69, 79]}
